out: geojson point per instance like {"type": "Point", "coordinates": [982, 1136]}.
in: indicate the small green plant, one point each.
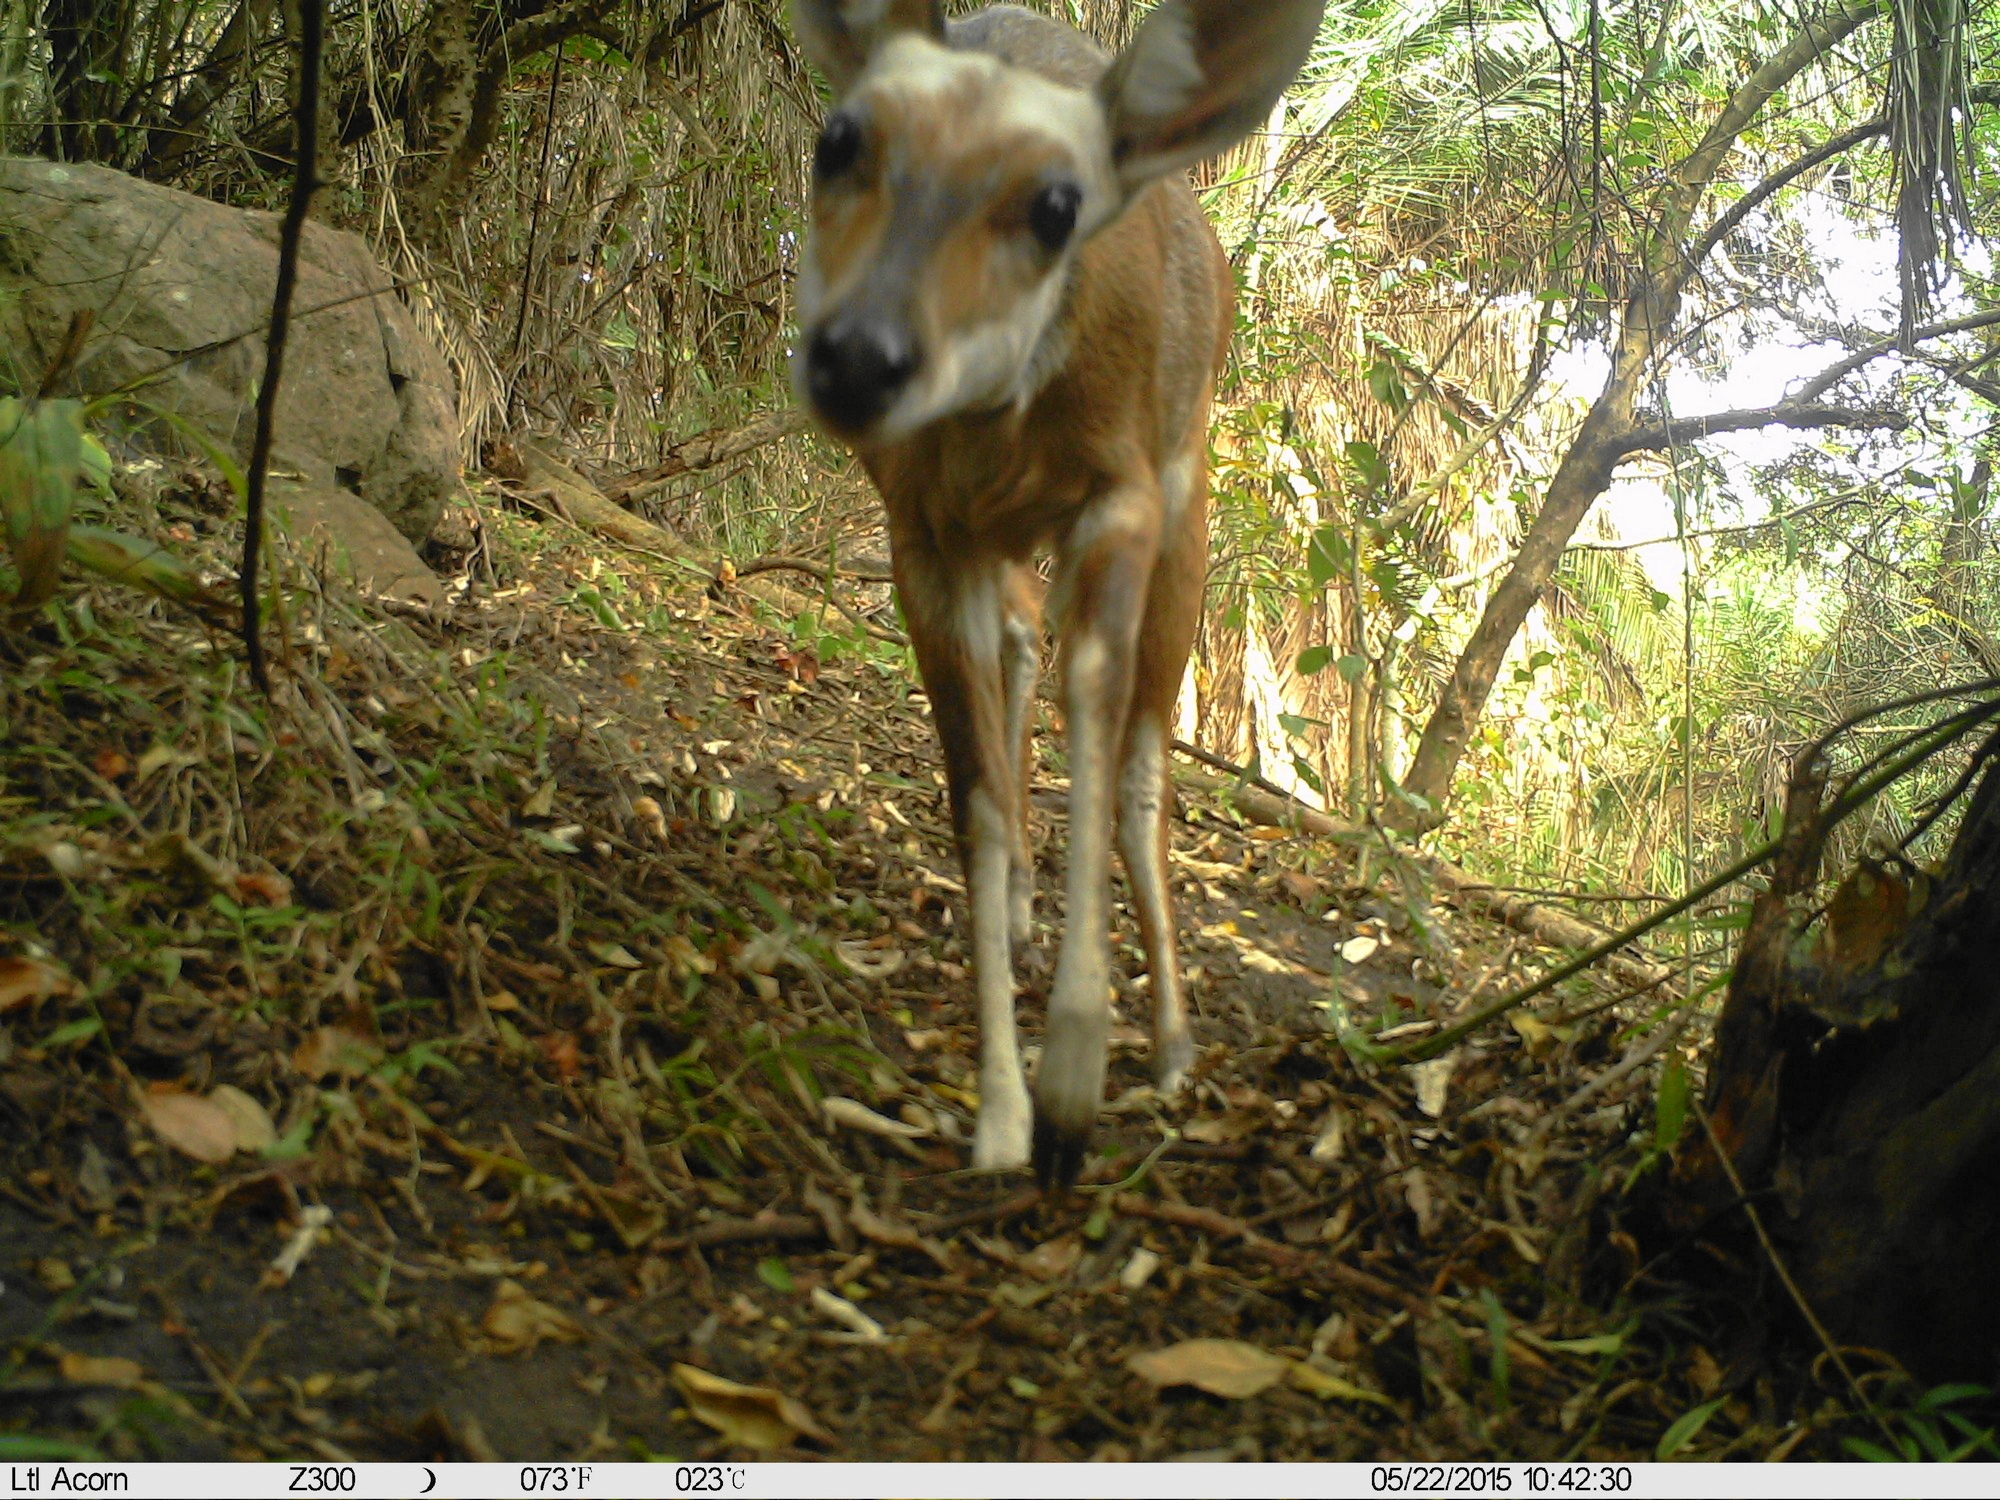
{"type": "Point", "coordinates": [1933, 1430]}
{"type": "Point", "coordinates": [48, 460]}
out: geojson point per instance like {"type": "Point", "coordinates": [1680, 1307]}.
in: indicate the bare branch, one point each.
{"type": "Point", "coordinates": [1691, 179]}
{"type": "Point", "coordinates": [305, 178]}
{"type": "Point", "coordinates": [1827, 150]}
{"type": "Point", "coordinates": [1785, 414]}
{"type": "Point", "coordinates": [1838, 371]}
{"type": "Point", "coordinates": [1741, 209]}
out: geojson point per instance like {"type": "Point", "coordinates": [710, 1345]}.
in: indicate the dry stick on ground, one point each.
{"type": "Point", "coordinates": [826, 576]}
{"type": "Point", "coordinates": [1281, 1256]}
{"type": "Point", "coordinates": [707, 449]}
{"type": "Point", "coordinates": [867, 571]}
{"type": "Point", "coordinates": [312, 20]}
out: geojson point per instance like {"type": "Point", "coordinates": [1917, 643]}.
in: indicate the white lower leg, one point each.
{"type": "Point", "coordinates": [1005, 1127]}
{"type": "Point", "coordinates": [1142, 839]}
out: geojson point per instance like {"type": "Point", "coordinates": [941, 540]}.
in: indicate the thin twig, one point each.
{"type": "Point", "coordinates": [1784, 1274]}
{"type": "Point", "coordinates": [860, 572]}
{"type": "Point", "coordinates": [312, 22]}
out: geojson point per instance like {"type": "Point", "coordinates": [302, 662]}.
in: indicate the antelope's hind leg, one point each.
{"type": "Point", "coordinates": [1166, 636]}
{"type": "Point", "coordinates": [1020, 669]}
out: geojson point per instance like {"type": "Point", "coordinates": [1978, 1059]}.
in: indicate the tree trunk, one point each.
{"type": "Point", "coordinates": [1608, 432]}
{"type": "Point", "coordinates": [459, 72]}
{"type": "Point", "coordinates": [1856, 1089]}
{"type": "Point", "coordinates": [1583, 475]}
{"type": "Point", "coordinates": [14, 30]}
{"type": "Point", "coordinates": [86, 57]}
{"type": "Point", "coordinates": [206, 88]}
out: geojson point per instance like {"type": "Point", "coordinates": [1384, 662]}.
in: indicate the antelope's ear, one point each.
{"type": "Point", "coordinates": [840, 35]}
{"type": "Point", "coordinates": [1199, 76]}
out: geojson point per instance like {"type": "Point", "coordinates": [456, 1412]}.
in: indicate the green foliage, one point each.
{"type": "Point", "coordinates": [1685, 1429]}
{"type": "Point", "coordinates": [1935, 1428]}
{"type": "Point", "coordinates": [41, 463]}
{"type": "Point", "coordinates": [49, 465]}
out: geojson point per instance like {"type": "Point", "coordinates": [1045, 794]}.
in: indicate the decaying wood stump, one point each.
{"type": "Point", "coordinates": [1856, 1088]}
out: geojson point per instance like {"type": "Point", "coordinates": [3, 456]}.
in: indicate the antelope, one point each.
{"type": "Point", "coordinates": [1012, 310]}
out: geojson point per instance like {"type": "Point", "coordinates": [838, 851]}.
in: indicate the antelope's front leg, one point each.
{"type": "Point", "coordinates": [955, 617]}
{"type": "Point", "coordinates": [1102, 584]}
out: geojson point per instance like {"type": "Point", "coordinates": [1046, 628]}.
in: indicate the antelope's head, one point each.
{"type": "Point", "coordinates": [952, 191]}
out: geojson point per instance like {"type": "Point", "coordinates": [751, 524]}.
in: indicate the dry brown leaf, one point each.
{"type": "Point", "coordinates": [1332, 1139]}
{"type": "Point", "coordinates": [1704, 1372]}
{"type": "Point", "coordinates": [1433, 1081]}
{"type": "Point", "coordinates": [1139, 1269]}
{"type": "Point", "coordinates": [867, 961]}
{"type": "Point", "coordinates": [1054, 1260]}
{"type": "Point", "coordinates": [29, 981]}
{"type": "Point", "coordinates": [648, 811]}
{"type": "Point", "coordinates": [563, 1052]}
{"type": "Point", "coordinates": [1423, 1200]}
{"type": "Point", "coordinates": [1219, 1130]}
{"type": "Point", "coordinates": [750, 1416]}
{"type": "Point", "coordinates": [1537, 1035]}
{"type": "Point", "coordinates": [1301, 886]}
{"type": "Point", "coordinates": [102, 1370]}
{"type": "Point", "coordinates": [635, 1221]}
{"type": "Point", "coordinates": [249, 1119]}
{"type": "Point", "coordinates": [193, 1126]}
{"type": "Point", "coordinates": [541, 802]}
{"type": "Point", "coordinates": [855, 1115]}
{"type": "Point", "coordinates": [335, 1049]}
{"type": "Point", "coordinates": [686, 959]}
{"type": "Point", "coordinates": [263, 888]}
{"type": "Point", "coordinates": [1228, 1368]}
{"type": "Point", "coordinates": [1864, 919]}
{"type": "Point", "coordinates": [518, 1321]}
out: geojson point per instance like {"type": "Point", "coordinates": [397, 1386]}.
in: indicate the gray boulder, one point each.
{"type": "Point", "coordinates": [354, 541]}
{"type": "Point", "coordinates": [179, 291]}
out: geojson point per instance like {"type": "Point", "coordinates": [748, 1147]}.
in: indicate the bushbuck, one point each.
{"type": "Point", "coordinates": [1013, 311]}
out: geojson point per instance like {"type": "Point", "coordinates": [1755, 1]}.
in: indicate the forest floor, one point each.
{"type": "Point", "coordinates": [544, 1032]}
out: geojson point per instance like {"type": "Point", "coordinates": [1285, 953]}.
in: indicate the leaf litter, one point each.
{"type": "Point", "coordinates": [561, 1037]}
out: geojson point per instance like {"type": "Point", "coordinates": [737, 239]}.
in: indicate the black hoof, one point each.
{"type": "Point", "coordinates": [1058, 1153]}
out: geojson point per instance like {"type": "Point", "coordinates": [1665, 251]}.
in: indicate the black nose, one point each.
{"type": "Point", "coordinates": [855, 369]}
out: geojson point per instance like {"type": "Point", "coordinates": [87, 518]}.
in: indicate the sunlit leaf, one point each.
{"type": "Point", "coordinates": [41, 458]}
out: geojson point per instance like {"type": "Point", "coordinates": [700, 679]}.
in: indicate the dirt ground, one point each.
{"type": "Point", "coordinates": [545, 1033]}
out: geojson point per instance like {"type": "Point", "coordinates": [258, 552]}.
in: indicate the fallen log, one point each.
{"type": "Point", "coordinates": [581, 502]}
{"type": "Point", "coordinates": [1545, 925]}
{"type": "Point", "coordinates": [707, 449]}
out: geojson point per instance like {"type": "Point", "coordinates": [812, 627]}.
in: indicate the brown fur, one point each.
{"type": "Point", "coordinates": [928, 238]}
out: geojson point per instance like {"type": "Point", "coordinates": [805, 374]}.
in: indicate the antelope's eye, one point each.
{"type": "Point", "coordinates": [839, 145]}
{"type": "Point", "coordinates": [1052, 215]}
